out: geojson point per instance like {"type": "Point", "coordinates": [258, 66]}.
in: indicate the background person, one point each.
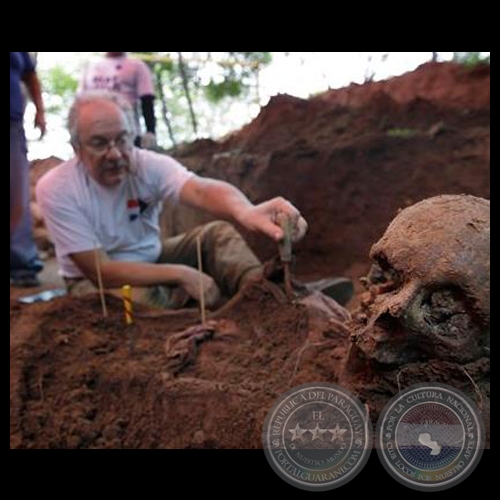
{"type": "Point", "coordinates": [131, 78]}
{"type": "Point", "coordinates": [24, 261]}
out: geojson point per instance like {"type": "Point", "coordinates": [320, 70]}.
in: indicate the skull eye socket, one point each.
{"type": "Point", "coordinates": [445, 311]}
{"type": "Point", "coordinates": [445, 315]}
{"type": "Point", "coordinates": [383, 275]}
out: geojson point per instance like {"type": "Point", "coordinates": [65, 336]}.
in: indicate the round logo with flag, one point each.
{"type": "Point", "coordinates": [430, 437]}
{"type": "Point", "coordinates": [317, 436]}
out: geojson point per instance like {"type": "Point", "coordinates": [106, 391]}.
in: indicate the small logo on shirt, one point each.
{"type": "Point", "coordinates": [137, 207]}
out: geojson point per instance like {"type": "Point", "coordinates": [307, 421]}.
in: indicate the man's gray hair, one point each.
{"type": "Point", "coordinates": [91, 96]}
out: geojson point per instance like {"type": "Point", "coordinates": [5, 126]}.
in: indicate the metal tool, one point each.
{"type": "Point", "coordinates": [285, 250]}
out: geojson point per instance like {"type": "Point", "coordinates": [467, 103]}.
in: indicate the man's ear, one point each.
{"type": "Point", "coordinates": [76, 148]}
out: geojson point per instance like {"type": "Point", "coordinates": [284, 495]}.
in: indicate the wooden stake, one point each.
{"type": "Point", "coordinates": [200, 269]}
{"type": "Point", "coordinates": [99, 281]}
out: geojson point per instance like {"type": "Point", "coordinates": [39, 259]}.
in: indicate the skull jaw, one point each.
{"type": "Point", "coordinates": [386, 343]}
{"type": "Point", "coordinates": [406, 326]}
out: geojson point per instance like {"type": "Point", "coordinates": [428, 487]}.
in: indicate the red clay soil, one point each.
{"type": "Point", "coordinates": [79, 380]}
{"type": "Point", "coordinates": [349, 159]}
{"type": "Point", "coordinates": [92, 382]}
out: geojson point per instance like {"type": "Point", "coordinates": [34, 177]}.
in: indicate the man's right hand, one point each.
{"type": "Point", "coordinates": [264, 219]}
{"type": "Point", "coordinates": [190, 282]}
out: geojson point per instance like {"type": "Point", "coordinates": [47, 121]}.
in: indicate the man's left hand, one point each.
{"type": "Point", "coordinates": [40, 122]}
{"type": "Point", "coordinates": [263, 218]}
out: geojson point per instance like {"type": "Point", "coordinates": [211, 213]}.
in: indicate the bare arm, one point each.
{"type": "Point", "coordinates": [116, 274]}
{"type": "Point", "coordinates": [223, 200]}
{"type": "Point", "coordinates": [217, 197]}
{"type": "Point", "coordinates": [33, 85]}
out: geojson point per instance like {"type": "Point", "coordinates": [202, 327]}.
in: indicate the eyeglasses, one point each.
{"type": "Point", "coordinates": [100, 145]}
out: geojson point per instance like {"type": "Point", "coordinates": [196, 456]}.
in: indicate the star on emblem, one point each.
{"type": "Point", "coordinates": [297, 433]}
{"type": "Point", "coordinates": [337, 433]}
{"type": "Point", "coordinates": [317, 433]}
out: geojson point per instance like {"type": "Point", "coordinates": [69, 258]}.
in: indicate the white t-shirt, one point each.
{"type": "Point", "coordinates": [128, 76]}
{"type": "Point", "coordinates": [81, 215]}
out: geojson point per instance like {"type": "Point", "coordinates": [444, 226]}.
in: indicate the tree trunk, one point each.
{"type": "Point", "coordinates": [164, 108]}
{"type": "Point", "coordinates": [186, 91]}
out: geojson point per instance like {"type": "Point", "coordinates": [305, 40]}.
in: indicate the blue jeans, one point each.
{"type": "Point", "coordinates": [24, 259]}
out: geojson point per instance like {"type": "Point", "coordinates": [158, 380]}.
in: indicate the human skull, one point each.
{"type": "Point", "coordinates": [430, 284]}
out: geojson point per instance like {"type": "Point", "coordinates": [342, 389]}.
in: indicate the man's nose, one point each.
{"type": "Point", "coordinates": [113, 151]}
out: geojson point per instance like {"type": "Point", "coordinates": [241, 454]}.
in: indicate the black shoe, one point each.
{"type": "Point", "coordinates": [26, 281]}
{"type": "Point", "coordinates": [339, 289]}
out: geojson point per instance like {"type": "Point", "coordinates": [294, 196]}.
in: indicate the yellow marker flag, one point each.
{"type": "Point", "coordinates": [127, 303]}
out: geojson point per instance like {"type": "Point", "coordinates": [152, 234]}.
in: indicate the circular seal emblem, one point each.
{"type": "Point", "coordinates": [430, 437]}
{"type": "Point", "coordinates": [317, 436]}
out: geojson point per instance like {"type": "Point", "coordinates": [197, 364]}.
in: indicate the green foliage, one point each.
{"type": "Point", "coordinates": [60, 87]}
{"type": "Point", "coordinates": [259, 59]}
{"type": "Point", "coordinates": [470, 59]}
{"type": "Point", "coordinates": [238, 74]}
{"type": "Point", "coordinates": [214, 81]}
{"type": "Point", "coordinates": [58, 81]}
{"type": "Point", "coordinates": [404, 133]}
{"type": "Point", "coordinates": [229, 87]}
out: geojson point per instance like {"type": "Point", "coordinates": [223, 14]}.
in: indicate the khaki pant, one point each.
{"type": "Point", "coordinates": [226, 258]}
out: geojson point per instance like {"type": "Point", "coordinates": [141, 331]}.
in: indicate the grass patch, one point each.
{"type": "Point", "coordinates": [404, 133]}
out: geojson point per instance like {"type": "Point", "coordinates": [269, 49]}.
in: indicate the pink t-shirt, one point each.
{"type": "Point", "coordinates": [127, 75]}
